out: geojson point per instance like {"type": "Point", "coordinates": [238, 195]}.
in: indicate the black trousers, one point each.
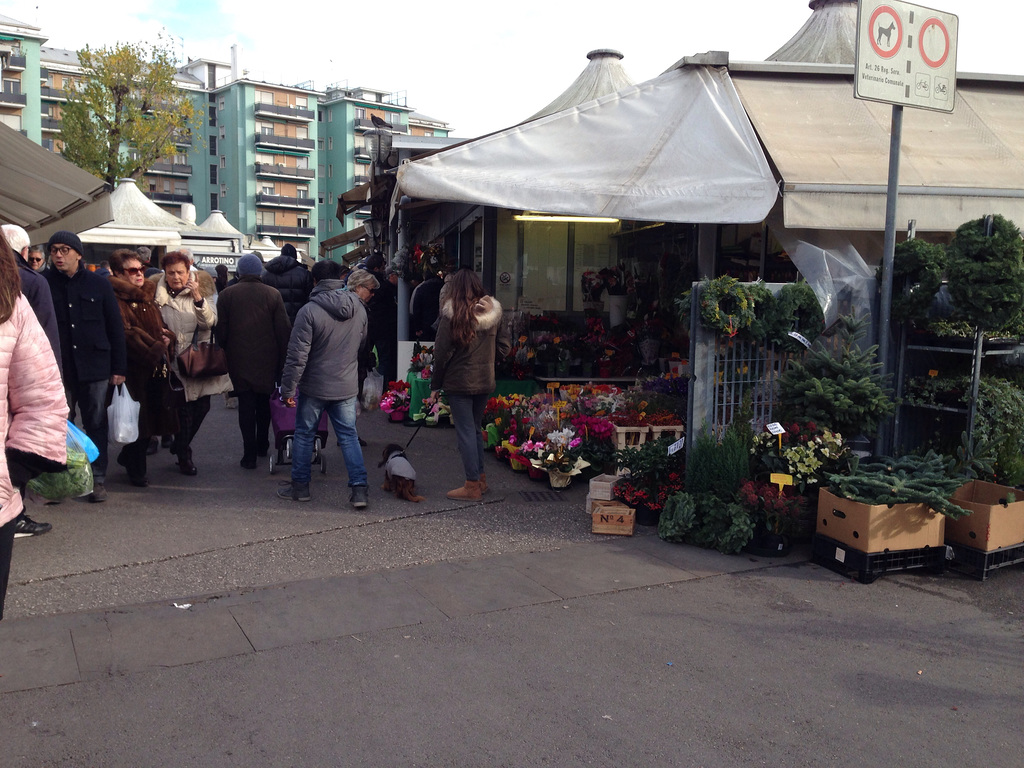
{"type": "Point", "coordinates": [190, 419]}
{"type": "Point", "coordinates": [6, 550]}
{"type": "Point", "coordinates": [254, 423]}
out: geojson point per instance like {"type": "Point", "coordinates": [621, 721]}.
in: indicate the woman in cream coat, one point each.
{"type": "Point", "coordinates": [186, 302]}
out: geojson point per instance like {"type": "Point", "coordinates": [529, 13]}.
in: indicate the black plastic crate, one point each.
{"type": "Point", "coordinates": [978, 563]}
{"type": "Point", "coordinates": [868, 566]}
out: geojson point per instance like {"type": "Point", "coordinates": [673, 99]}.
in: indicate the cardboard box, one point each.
{"type": "Point", "coordinates": [994, 522]}
{"type": "Point", "coordinates": [603, 487]}
{"type": "Point", "coordinates": [612, 517]}
{"type": "Point", "coordinates": [878, 527]}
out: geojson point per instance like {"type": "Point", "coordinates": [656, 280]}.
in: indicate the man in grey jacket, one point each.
{"type": "Point", "coordinates": [322, 363]}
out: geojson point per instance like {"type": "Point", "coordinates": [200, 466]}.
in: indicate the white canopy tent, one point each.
{"type": "Point", "coordinates": [676, 148]}
{"type": "Point", "coordinates": [137, 221]}
{"type": "Point", "coordinates": [43, 192]}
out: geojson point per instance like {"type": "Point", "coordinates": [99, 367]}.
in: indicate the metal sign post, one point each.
{"type": "Point", "coordinates": [906, 56]}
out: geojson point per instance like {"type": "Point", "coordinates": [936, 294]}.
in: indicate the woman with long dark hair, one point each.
{"type": "Point", "coordinates": [469, 336]}
{"type": "Point", "coordinates": [33, 418]}
{"type": "Point", "coordinates": [147, 341]}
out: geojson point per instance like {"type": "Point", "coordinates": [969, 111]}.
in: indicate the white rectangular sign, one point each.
{"type": "Point", "coordinates": [906, 54]}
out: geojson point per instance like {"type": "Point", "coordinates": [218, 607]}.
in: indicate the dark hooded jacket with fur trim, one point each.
{"type": "Point", "coordinates": [469, 370]}
{"type": "Point", "coordinates": [291, 279]}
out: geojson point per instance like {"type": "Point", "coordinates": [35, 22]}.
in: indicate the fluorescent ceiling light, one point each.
{"type": "Point", "coordinates": [556, 217]}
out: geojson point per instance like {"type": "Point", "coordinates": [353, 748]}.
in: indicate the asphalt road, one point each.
{"type": "Point", "coordinates": [754, 664]}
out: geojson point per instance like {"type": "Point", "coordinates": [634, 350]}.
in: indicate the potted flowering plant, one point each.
{"type": "Point", "coordinates": [808, 452]}
{"type": "Point", "coordinates": [654, 476]}
{"type": "Point", "coordinates": [776, 513]}
{"type": "Point", "coordinates": [395, 402]}
{"type": "Point", "coordinates": [422, 361]}
{"type": "Point", "coordinates": [434, 411]}
{"type": "Point", "coordinates": [559, 458]}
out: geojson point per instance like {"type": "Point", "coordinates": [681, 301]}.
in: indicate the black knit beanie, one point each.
{"type": "Point", "coordinates": [63, 237]}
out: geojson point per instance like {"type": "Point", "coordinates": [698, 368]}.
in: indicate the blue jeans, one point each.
{"type": "Point", "coordinates": [467, 415]}
{"type": "Point", "coordinates": [342, 414]}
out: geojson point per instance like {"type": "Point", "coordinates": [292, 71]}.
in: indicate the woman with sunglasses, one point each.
{"type": "Point", "coordinates": [146, 340]}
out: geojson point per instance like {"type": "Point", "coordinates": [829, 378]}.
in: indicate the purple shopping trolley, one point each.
{"type": "Point", "coordinates": [282, 422]}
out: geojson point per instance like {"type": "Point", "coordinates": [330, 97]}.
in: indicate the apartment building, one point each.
{"type": "Point", "coordinates": [273, 158]}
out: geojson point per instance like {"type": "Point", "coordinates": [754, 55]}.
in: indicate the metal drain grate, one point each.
{"type": "Point", "coordinates": [537, 497]}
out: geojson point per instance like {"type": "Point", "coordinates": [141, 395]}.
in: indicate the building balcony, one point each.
{"type": "Point", "coordinates": [291, 113]}
{"type": "Point", "coordinates": [183, 139]}
{"type": "Point", "coordinates": [49, 124]}
{"type": "Point", "coordinates": [366, 124]}
{"type": "Point", "coordinates": [16, 63]}
{"type": "Point", "coordinates": [170, 169]}
{"type": "Point", "coordinates": [364, 213]}
{"type": "Point", "coordinates": [360, 179]}
{"type": "Point", "coordinates": [280, 201]}
{"type": "Point", "coordinates": [361, 154]}
{"type": "Point", "coordinates": [283, 171]}
{"type": "Point", "coordinates": [273, 229]}
{"type": "Point", "coordinates": [271, 140]}
{"type": "Point", "coordinates": [169, 198]}
{"type": "Point", "coordinates": [9, 99]}
{"type": "Point", "coordinates": [53, 94]}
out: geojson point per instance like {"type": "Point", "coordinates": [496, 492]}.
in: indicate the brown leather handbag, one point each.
{"type": "Point", "coordinates": [203, 359]}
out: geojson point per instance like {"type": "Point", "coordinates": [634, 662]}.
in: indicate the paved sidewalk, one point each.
{"type": "Point", "coordinates": [68, 648]}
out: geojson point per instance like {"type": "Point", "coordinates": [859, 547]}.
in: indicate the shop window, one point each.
{"type": "Point", "coordinates": [545, 248]}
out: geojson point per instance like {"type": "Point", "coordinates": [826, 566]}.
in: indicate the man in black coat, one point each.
{"type": "Point", "coordinates": [91, 342]}
{"type": "Point", "coordinates": [291, 278]}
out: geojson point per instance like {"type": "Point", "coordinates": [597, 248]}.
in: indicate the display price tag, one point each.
{"type": "Point", "coordinates": [780, 479]}
{"type": "Point", "coordinates": [676, 446]}
{"type": "Point", "coordinates": [775, 428]}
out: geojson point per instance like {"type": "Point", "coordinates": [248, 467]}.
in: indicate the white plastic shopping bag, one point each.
{"type": "Point", "coordinates": [122, 417]}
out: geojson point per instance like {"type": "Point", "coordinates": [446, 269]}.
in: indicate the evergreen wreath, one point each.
{"type": "Point", "coordinates": [725, 305]}
{"type": "Point", "coordinates": [795, 308]}
{"type": "Point", "coordinates": [764, 301]}
{"type": "Point", "coordinates": [986, 274]}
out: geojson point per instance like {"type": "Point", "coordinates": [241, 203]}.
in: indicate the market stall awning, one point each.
{"type": "Point", "coordinates": [43, 192]}
{"type": "Point", "coordinates": [343, 239]}
{"type": "Point", "coordinates": [832, 151]}
{"type": "Point", "coordinates": [676, 148]}
{"type": "Point", "coordinates": [137, 220]}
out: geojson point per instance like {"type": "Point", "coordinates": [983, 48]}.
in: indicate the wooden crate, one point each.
{"type": "Point", "coordinates": [675, 432]}
{"type": "Point", "coordinates": [612, 517]}
{"type": "Point", "coordinates": [603, 487]}
{"type": "Point", "coordinates": [630, 437]}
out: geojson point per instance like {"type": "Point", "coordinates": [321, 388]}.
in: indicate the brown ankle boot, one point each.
{"type": "Point", "coordinates": [483, 483]}
{"type": "Point", "coordinates": [469, 492]}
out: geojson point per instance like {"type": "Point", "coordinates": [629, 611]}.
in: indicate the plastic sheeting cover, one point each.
{"type": "Point", "coordinates": [678, 148]}
{"type": "Point", "coordinates": [830, 262]}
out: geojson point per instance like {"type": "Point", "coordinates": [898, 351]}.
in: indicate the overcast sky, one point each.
{"type": "Point", "coordinates": [479, 65]}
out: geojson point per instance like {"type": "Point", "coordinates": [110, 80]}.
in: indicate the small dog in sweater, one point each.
{"type": "Point", "coordinates": [399, 476]}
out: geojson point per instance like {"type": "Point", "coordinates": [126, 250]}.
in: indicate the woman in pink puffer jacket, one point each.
{"type": "Point", "coordinates": [33, 410]}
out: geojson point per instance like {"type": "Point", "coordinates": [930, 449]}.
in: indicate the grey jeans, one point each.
{"type": "Point", "coordinates": [467, 416]}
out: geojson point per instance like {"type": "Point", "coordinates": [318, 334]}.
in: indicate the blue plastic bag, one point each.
{"type": "Point", "coordinates": [83, 440]}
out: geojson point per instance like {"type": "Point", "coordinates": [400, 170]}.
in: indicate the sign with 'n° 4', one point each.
{"type": "Point", "coordinates": [906, 55]}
